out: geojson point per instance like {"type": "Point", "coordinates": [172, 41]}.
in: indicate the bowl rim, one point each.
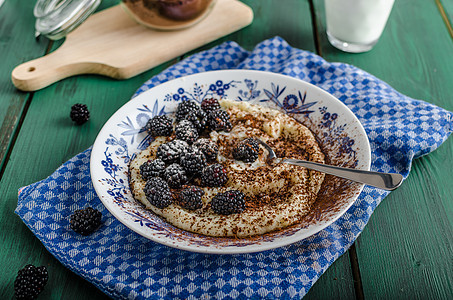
{"type": "Point", "coordinates": [230, 249]}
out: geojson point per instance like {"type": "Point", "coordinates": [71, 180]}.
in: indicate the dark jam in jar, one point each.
{"type": "Point", "coordinates": [168, 14]}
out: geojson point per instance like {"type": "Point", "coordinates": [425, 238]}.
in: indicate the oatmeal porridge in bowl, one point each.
{"type": "Point", "coordinates": [180, 163]}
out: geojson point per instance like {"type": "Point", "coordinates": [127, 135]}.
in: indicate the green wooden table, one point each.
{"type": "Point", "coordinates": [405, 251]}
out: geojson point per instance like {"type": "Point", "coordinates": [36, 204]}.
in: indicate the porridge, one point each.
{"type": "Point", "coordinates": [209, 175]}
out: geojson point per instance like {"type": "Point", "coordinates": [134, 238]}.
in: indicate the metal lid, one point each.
{"type": "Point", "coordinates": [56, 18]}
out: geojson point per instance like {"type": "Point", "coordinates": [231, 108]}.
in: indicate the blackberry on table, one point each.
{"type": "Point", "coordinates": [158, 192]}
{"type": "Point", "coordinates": [185, 131]}
{"type": "Point", "coordinates": [152, 168]}
{"type": "Point", "coordinates": [85, 221]}
{"type": "Point", "coordinates": [208, 147]}
{"type": "Point", "coordinates": [185, 108]}
{"type": "Point", "coordinates": [214, 176]}
{"type": "Point", "coordinates": [229, 202]}
{"type": "Point", "coordinates": [79, 113]}
{"type": "Point", "coordinates": [175, 176]}
{"type": "Point", "coordinates": [247, 150]}
{"type": "Point", "coordinates": [193, 162]}
{"type": "Point", "coordinates": [210, 104]}
{"type": "Point", "coordinates": [219, 120]}
{"type": "Point", "coordinates": [30, 282]}
{"type": "Point", "coordinates": [171, 151]}
{"type": "Point", "coordinates": [159, 126]}
{"type": "Point", "coordinates": [190, 197]}
{"type": "Point", "coordinates": [198, 119]}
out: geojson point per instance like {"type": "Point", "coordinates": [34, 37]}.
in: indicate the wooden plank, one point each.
{"type": "Point", "coordinates": [13, 103]}
{"type": "Point", "coordinates": [406, 249]}
{"type": "Point", "coordinates": [291, 21]}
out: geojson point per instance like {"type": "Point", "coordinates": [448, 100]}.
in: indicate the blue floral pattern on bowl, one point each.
{"type": "Point", "coordinates": [127, 136]}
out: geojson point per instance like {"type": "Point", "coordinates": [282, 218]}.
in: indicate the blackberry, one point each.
{"type": "Point", "coordinates": [214, 176]}
{"type": "Point", "coordinates": [210, 104]}
{"type": "Point", "coordinates": [185, 108]}
{"type": "Point", "coordinates": [229, 202]}
{"type": "Point", "coordinates": [190, 197]}
{"type": "Point", "coordinates": [152, 168]}
{"type": "Point", "coordinates": [193, 162]}
{"type": "Point", "coordinates": [198, 119]}
{"type": "Point", "coordinates": [185, 131]}
{"type": "Point", "coordinates": [171, 151]}
{"type": "Point", "coordinates": [79, 113]}
{"type": "Point", "coordinates": [175, 176]}
{"type": "Point", "coordinates": [158, 192]}
{"type": "Point", "coordinates": [85, 221]}
{"type": "Point", "coordinates": [253, 143]}
{"type": "Point", "coordinates": [208, 147]}
{"type": "Point", "coordinates": [247, 150]}
{"type": "Point", "coordinates": [30, 282]}
{"type": "Point", "coordinates": [159, 126]}
{"type": "Point", "coordinates": [219, 120]}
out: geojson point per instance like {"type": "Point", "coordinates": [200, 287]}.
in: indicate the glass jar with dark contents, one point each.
{"type": "Point", "coordinates": [168, 14]}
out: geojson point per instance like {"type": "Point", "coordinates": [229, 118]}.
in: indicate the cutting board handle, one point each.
{"type": "Point", "coordinates": [41, 72]}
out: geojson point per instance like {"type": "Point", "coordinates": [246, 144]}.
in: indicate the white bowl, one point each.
{"type": "Point", "coordinates": [339, 132]}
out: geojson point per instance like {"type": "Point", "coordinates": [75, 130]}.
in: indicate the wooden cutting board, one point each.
{"type": "Point", "coordinates": [111, 43]}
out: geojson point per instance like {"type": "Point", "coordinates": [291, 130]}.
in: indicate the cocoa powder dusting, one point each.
{"type": "Point", "coordinates": [267, 188]}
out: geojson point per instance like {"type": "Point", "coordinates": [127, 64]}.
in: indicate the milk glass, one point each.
{"type": "Point", "coordinates": [356, 25]}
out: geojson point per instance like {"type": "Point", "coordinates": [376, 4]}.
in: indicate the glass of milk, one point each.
{"type": "Point", "coordinates": [356, 25]}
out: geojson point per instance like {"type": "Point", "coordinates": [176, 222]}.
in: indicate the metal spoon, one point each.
{"type": "Point", "coordinates": [386, 181]}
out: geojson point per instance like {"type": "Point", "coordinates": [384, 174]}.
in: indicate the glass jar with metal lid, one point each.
{"type": "Point", "coordinates": [56, 18]}
{"type": "Point", "coordinates": [168, 14]}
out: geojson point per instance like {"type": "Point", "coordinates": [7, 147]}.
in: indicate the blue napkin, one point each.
{"type": "Point", "coordinates": [125, 265]}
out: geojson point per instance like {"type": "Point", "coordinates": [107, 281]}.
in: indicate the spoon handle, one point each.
{"type": "Point", "coordinates": [386, 181]}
